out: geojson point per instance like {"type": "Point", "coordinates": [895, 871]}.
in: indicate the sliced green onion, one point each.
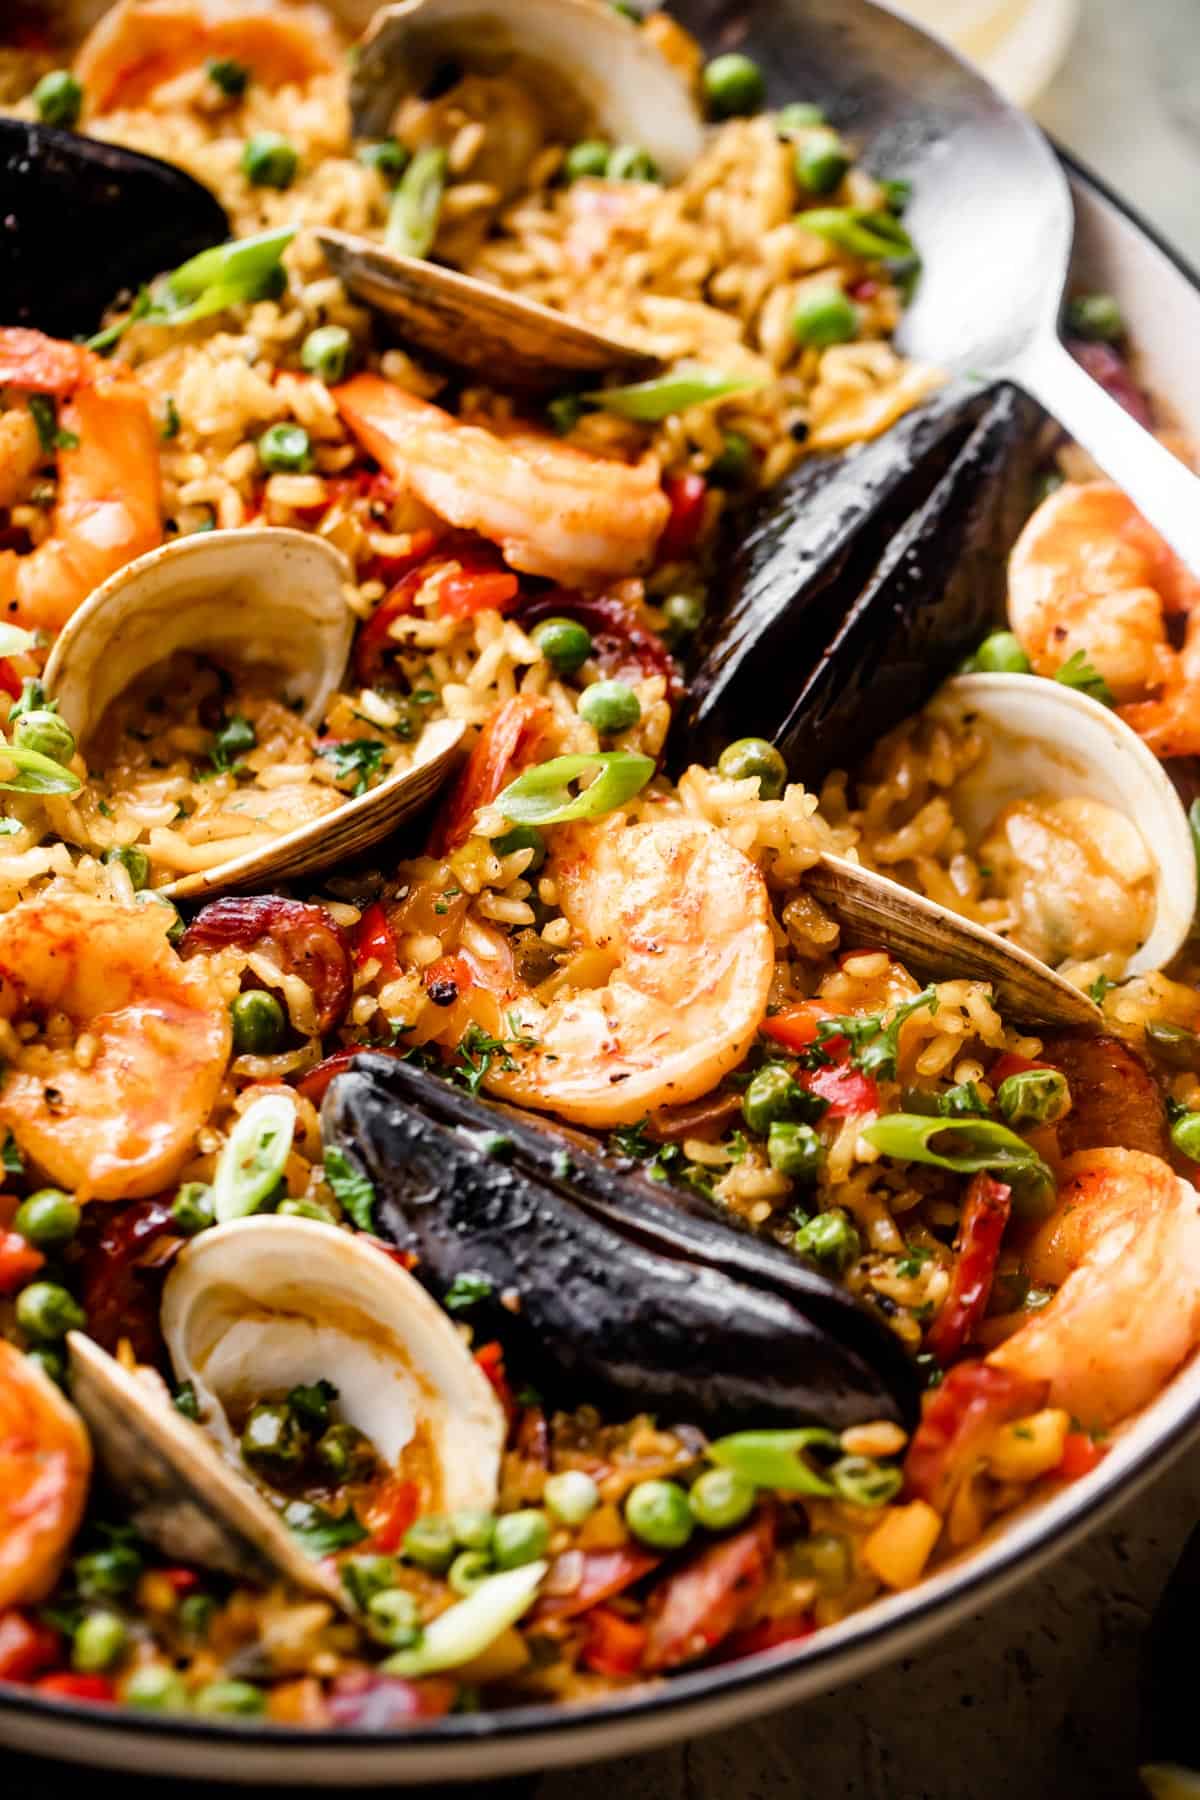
{"type": "Point", "coordinates": [464, 1631]}
{"type": "Point", "coordinates": [864, 1482]}
{"type": "Point", "coordinates": [37, 774]}
{"type": "Point", "coordinates": [255, 1155]}
{"type": "Point", "coordinates": [688, 384]}
{"type": "Point", "coordinates": [773, 1459]}
{"type": "Point", "coordinates": [873, 236]}
{"type": "Point", "coordinates": [978, 1144]}
{"type": "Point", "coordinates": [227, 275]}
{"type": "Point", "coordinates": [417, 204]}
{"type": "Point", "coordinates": [542, 796]}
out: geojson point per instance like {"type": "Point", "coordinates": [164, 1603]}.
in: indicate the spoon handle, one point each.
{"type": "Point", "coordinates": [1164, 490]}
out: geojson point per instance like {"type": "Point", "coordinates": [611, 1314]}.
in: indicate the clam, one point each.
{"type": "Point", "coordinates": [514, 342]}
{"type": "Point", "coordinates": [594, 71]}
{"type": "Point", "coordinates": [604, 1287]}
{"type": "Point", "coordinates": [252, 1309]}
{"type": "Point", "coordinates": [261, 597]}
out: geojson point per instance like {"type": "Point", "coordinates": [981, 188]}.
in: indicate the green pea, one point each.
{"type": "Point", "coordinates": [270, 160]}
{"type": "Point", "coordinates": [798, 115]}
{"type": "Point", "coordinates": [103, 1574]}
{"type": "Point", "coordinates": [1034, 1191]}
{"type": "Point", "coordinates": [47, 1218]}
{"type": "Point", "coordinates": [46, 1312]}
{"type": "Point", "coordinates": [230, 76]}
{"type": "Point", "coordinates": [328, 352]}
{"type": "Point", "coordinates": [571, 1497]}
{"type": "Point", "coordinates": [100, 1640]}
{"type": "Point", "coordinates": [1185, 1135]}
{"type": "Point", "coordinates": [468, 1569]}
{"type": "Point", "coordinates": [721, 1498]}
{"type": "Point", "coordinates": [864, 1482]}
{"type": "Point", "coordinates": [821, 162]}
{"type": "Point", "coordinates": [657, 1513]}
{"type": "Point", "coordinates": [388, 157]}
{"type": "Point", "coordinates": [795, 1150]}
{"type": "Point", "coordinates": [627, 162]}
{"type": "Point", "coordinates": [155, 1688]}
{"type": "Point", "coordinates": [430, 1544]}
{"type": "Point", "coordinates": [754, 757]}
{"type": "Point", "coordinates": [135, 862]}
{"type": "Point", "coordinates": [50, 1361]}
{"type": "Point", "coordinates": [1034, 1097]}
{"type": "Point", "coordinates": [831, 1238]}
{"type": "Point", "coordinates": [345, 1453]}
{"type": "Point", "coordinates": [1001, 654]}
{"type": "Point", "coordinates": [258, 1023]}
{"type": "Point", "coordinates": [522, 837]}
{"type": "Point", "coordinates": [58, 98]}
{"type": "Point", "coordinates": [589, 158]}
{"type": "Point", "coordinates": [192, 1208]}
{"type": "Point", "coordinates": [773, 1095]}
{"type": "Point", "coordinates": [565, 644]}
{"type": "Point", "coordinates": [1097, 317]}
{"type": "Point", "coordinates": [196, 1616]}
{"type": "Point", "coordinates": [609, 707]}
{"type": "Point", "coordinates": [735, 465]}
{"type": "Point", "coordinates": [963, 1101]}
{"type": "Point", "coordinates": [683, 615]}
{"type": "Point", "coordinates": [241, 1698]}
{"type": "Point", "coordinates": [365, 1576]}
{"type": "Point", "coordinates": [272, 1438]}
{"type": "Point", "coordinates": [45, 732]}
{"type": "Point", "coordinates": [285, 450]}
{"type": "Point", "coordinates": [1172, 1044]}
{"type": "Point", "coordinates": [520, 1537]}
{"type": "Point", "coordinates": [395, 1618]}
{"type": "Point", "coordinates": [733, 85]}
{"type": "Point", "coordinates": [472, 1529]}
{"type": "Point", "coordinates": [825, 316]}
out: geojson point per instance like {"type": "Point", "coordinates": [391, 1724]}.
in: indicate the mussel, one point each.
{"type": "Point", "coordinates": [607, 1290]}
{"type": "Point", "coordinates": [252, 1309]}
{"type": "Point", "coordinates": [66, 201]}
{"type": "Point", "coordinates": [261, 596]}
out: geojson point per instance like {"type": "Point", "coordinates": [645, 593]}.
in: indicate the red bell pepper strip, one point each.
{"type": "Point", "coordinates": [392, 1510]}
{"type": "Point", "coordinates": [985, 1216]}
{"type": "Point", "coordinates": [1080, 1456]}
{"type": "Point", "coordinates": [508, 740]}
{"type": "Point", "coordinates": [847, 1092]}
{"type": "Point", "coordinates": [471, 590]}
{"type": "Point", "coordinates": [69, 1686]}
{"type": "Point", "coordinates": [604, 1574]}
{"type": "Point", "coordinates": [957, 1419]}
{"type": "Point", "coordinates": [27, 1646]}
{"type": "Point", "coordinates": [697, 1607]}
{"type": "Point", "coordinates": [375, 941]}
{"type": "Point", "coordinates": [19, 1261]}
{"type": "Point", "coordinates": [10, 681]}
{"type": "Point", "coordinates": [374, 639]}
{"type": "Point", "coordinates": [490, 1358]}
{"type": "Point", "coordinates": [447, 979]}
{"type": "Point", "coordinates": [315, 1085]}
{"type": "Point", "coordinates": [1012, 1064]}
{"type": "Point", "coordinates": [687, 496]}
{"type": "Point", "coordinates": [796, 1028]}
{"type": "Point", "coordinates": [612, 1645]}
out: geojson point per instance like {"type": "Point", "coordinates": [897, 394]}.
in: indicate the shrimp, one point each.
{"type": "Point", "coordinates": [674, 924]}
{"type": "Point", "coordinates": [1122, 1248]}
{"type": "Point", "coordinates": [1089, 575]}
{"type": "Point", "coordinates": [139, 44]}
{"type": "Point", "coordinates": [45, 1465]}
{"type": "Point", "coordinates": [552, 509]}
{"type": "Point", "coordinates": [133, 1046]}
{"type": "Point", "coordinates": [108, 508]}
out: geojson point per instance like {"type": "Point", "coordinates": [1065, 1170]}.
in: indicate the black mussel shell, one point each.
{"type": "Point", "coordinates": [612, 1294]}
{"type": "Point", "coordinates": [862, 582]}
{"type": "Point", "coordinates": [82, 221]}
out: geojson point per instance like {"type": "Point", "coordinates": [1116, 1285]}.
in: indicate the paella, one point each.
{"type": "Point", "coordinates": [557, 1125]}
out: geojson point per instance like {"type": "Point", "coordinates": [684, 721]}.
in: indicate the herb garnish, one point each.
{"type": "Point", "coordinates": [873, 1038]}
{"type": "Point", "coordinates": [352, 1190]}
{"type": "Point", "coordinates": [362, 757]}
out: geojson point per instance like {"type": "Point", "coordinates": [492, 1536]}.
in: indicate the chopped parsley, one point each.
{"type": "Point", "coordinates": [10, 1156]}
{"type": "Point", "coordinates": [1099, 988]}
{"type": "Point", "coordinates": [1078, 672]}
{"type": "Point", "coordinates": [321, 1532]}
{"type": "Point", "coordinates": [354, 1193]}
{"type": "Point", "coordinates": [962, 1102]}
{"type": "Point", "coordinates": [873, 1038]}
{"type": "Point", "coordinates": [913, 1261]}
{"type": "Point", "coordinates": [185, 1402]}
{"type": "Point", "coordinates": [171, 421]}
{"type": "Point", "coordinates": [467, 1289]}
{"type": "Point", "coordinates": [478, 1051]}
{"type": "Point", "coordinates": [45, 419]}
{"type": "Point", "coordinates": [360, 757]}
{"type": "Point", "coordinates": [236, 735]}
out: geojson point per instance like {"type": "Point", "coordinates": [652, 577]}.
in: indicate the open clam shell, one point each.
{"type": "Point", "coordinates": [265, 597]}
{"type": "Point", "coordinates": [182, 1494]}
{"type": "Point", "coordinates": [1041, 737]}
{"type": "Point", "coordinates": [514, 342]}
{"type": "Point", "coordinates": [593, 70]}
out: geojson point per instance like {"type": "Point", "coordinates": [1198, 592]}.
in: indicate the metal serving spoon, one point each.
{"type": "Point", "coordinates": [991, 213]}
